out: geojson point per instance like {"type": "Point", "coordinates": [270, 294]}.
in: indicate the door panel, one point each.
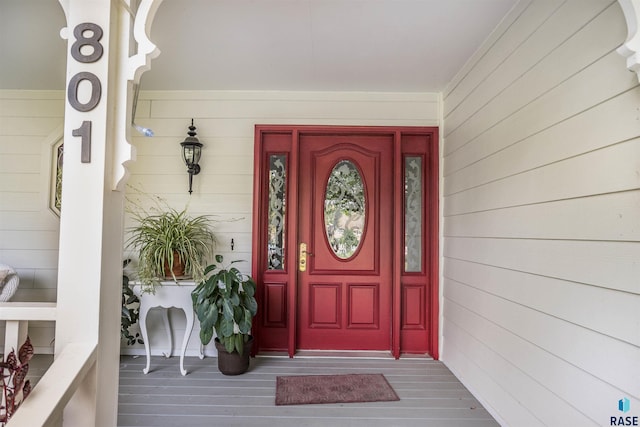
{"type": "Point", "coordinates": [345, 303]}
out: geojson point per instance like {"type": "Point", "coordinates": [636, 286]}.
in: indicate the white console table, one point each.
{"type": "Point", "coordinates": [170, 294]}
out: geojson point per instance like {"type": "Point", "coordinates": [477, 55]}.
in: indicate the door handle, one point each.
{"type": "Point", "coordinates": [302, 258]}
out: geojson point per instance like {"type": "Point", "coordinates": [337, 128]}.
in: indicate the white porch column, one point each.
{"type": "Point", "coordinates": [91, 223]}
{"type": "Point", "coordinates": [100, 74]}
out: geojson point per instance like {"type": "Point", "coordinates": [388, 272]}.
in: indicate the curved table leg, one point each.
{"type": "Point", "coordinates": [167, 328]}
{"type": "Point", "coordinates": [188, 312]}
{"type": "Point", "coordinates": [144, 310]}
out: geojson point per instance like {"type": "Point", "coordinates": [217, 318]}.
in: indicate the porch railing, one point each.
{"type": "Point", "coordinates": [17, 316]}
{"type": "Point", "coordinates": [53, 391]}
{"type": "Point", "coordinates": [49, 397]}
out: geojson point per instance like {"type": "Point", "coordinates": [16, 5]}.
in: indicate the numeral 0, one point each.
{"type": "Point", "coordinates": [96, 91]}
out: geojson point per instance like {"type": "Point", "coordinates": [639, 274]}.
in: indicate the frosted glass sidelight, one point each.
{"type": "Point", "coordinates": [413, 214]}
{"type": "Point", "coordinates": [277, 210]}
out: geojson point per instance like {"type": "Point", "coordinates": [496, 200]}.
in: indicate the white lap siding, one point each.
{"type": "Point", "coordinates": [541, 161]}
{"type": "Point", "coordinates": [30, 122]}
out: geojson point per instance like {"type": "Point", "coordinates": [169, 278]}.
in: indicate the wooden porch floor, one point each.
{"type": "Point", "coordinates": [429, 395]}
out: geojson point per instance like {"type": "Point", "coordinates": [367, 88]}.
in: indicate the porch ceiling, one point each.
{"type": "Point", "coordinates": [324, 45]}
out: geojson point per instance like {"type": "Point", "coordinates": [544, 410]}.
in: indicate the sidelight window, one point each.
{"type": "Point", "coordinates": [277, 211]}
{"type": "Point", "coordinates": [413, 213]}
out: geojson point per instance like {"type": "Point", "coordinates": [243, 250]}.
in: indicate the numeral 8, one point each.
{"type": "Point", "coordinates": [81, 40]}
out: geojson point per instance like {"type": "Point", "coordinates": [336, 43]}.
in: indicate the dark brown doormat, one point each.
{"type": "Point", "coordinates": [304, 389]}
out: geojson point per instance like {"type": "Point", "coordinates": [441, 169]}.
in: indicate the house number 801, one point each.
{"type": "Point", "coordinates": [88, 37]}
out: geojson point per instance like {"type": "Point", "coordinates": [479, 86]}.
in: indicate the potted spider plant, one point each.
{"type": "Point", "coordinates": [225, 304]}
{"type": "Point", "coordinates": [171, 245]}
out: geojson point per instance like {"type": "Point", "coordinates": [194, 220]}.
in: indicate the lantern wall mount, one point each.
{"type": "Point", "coordinates": [191, 151]}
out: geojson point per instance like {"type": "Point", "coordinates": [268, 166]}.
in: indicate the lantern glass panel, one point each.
{"type": "Point", "coordinates": [187, 155]}
{"type": "Point", "coordinates": [197, 150]}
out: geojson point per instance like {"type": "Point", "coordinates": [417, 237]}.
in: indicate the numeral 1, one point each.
{"type": "Point", "coordinates": [84, 132]}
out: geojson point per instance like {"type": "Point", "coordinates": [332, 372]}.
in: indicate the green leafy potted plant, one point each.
{"type": "Point", "coordinates": [130, 313]}
{"type": "Point", "coordinates": [170, 245]}
{"type": "Point", "coordinates": [225, 304]}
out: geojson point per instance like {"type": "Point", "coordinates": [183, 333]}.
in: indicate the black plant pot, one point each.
{"type": "Point", "coordinates": [233, 363]}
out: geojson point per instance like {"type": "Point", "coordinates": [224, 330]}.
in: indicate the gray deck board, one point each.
{"type": "Point", "coordinates": [429, 395]}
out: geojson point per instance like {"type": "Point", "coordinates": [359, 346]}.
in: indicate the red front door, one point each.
{"type": "Point", "coordinates": [345, 242]}
{"type": "Point", "coordinates": [346, 222]}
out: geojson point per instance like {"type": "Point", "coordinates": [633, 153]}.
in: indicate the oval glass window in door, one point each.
{"type": "Point", "coordinates": [344, 209]}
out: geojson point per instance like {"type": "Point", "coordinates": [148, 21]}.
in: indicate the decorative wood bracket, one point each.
{"type": "Point", "coordinates": [128, 76]}
{"type": "Point", "coordinates": [631, 47]}
{"type": "Point", "coordinates": [141, 61]}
